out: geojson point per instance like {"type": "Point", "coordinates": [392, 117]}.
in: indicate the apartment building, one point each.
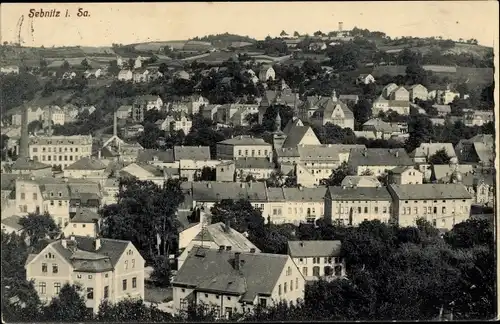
{"type": "Point", "coordinates": [54, 114]}
{"type": "Point", "coordinates": [142, 104]}
{"type": "Point", "coordinates": [406, 175]}
{"type": "Point", "coordinates": [106, 269]}
{"type": "Point", "coordinates": [82, 222]}
{"type": "Point", "coordinates": [243, 146]}
{"type": "Point", "coordinates": [377, 161]}
{"type": "Point", "coordinates": [352, 205]}
{"type": "Point", "coordinates": [56, 196]}
{"type": "Point", "coordinates": [317, 259]}
{"type": "Point", "coordinates": [230, 282]}
{"type": "Point", "coordinates": [443, 205]}
{"type": "Point", "coordinates": [60, 151]}
{"type": "Point", "coordinates": [87, 167]}
{"type": "Point", "coordinates": [426, 150]}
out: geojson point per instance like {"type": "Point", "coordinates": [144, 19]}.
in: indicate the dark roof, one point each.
{"type": "Point", "coordinates": [87, 259]}
{"type": "Point", "coordinates": [299, 249]}
{"type": "Point", "coordinates": [211, 191]}
{"type": "Point", "coordinates": [244, 140]}
{"type": "Point", "coordinates": [87, 163]}
{"type": "Point", "coordinates": [430, 191]}
{"type": "Point", "coordinates": [27, 164]}
{"type": "Point", "coordinates": [304, 194]}
{"type": "Point", "coordinates": [84, 215]}
{"type": "Point", "coordinates": [149, 155]}
{"type": "Point", "coordinates": [221, 236]}
{"type": "Point", "coordinates": [379, 157]}
{"type": "Point", "coordinates": [295, 135]}
{"type": "Point", "coordinates": [13, 222]}
{"type": "Point", "coordinates": [8, 180]}
{"type": "Point", "coordinates": [191, 153]}
{"type": "Point", "coordinates": [358, 193]}
{"type": "Point", "coordinates": [213, 270]}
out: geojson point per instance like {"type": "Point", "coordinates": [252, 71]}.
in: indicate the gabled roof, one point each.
{"type": "Point", "coordinates": [428, 149]}
{"type": "Point", "coordinates": [149, 155]}
{"type": "Point", "coordinates": [222, 236]}
{"type": "Point", "coordinates": [430, 191]}
{"type": "Point", "coordinates": [12, 222]}
{"type": "Point", "coordinates": [352, 180]}
{"type": "Point", "coordinates": [304, 194]}
{"type": "Point", "coordinates": [211, 191]}
{"type": "Point", "coordinates": [84, 215]}
{"type": "Point", "coordinates": [381, 126]}
{"type": "Point", "coordinates": [191, 153]}
{"type": "Point", "coordinates": [27, 164]}
{"type": "Point", "coordinates": [87, 163]}
{"type": "Point", "coordinates": [214, 271]}
{"type": "Point", "coordinates": [295, 135]}
{"type": "Point", "coordinates": [244, 140]}
{"type": "Point", "coordinates": [306, 249]}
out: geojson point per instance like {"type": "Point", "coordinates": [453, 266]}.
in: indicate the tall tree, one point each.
{"type": "Point", "coordinates": [39, 227]}
{"type": "Point", "coordinates": [68, 306]}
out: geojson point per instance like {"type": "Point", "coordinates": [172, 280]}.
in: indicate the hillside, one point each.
{"type": "Point", "coordinates": [224, 40]}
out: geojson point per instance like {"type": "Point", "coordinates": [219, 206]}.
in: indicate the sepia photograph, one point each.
{"type": "Point", "coordinates": [249, 161]}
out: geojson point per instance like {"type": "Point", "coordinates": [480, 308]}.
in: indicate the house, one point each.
{"type": "Point", "coordinates": [230, 282]}
{"type": "Point", "coordinates": [142, 104]}
{"type": "Point", "coordinates": [176, 122]}
{"type": "Point", "coordinates": [59, 151]}
{"type": "Point", "coordinates": [380, 104]}
{"type": "Point", "coordinates": [478, 149]}
{"type": "Point", "coordinates": [105, 268]}
{"type": "Point", "coordinates": [82, 222]}
{"type": "Point", "coordinates": [377, 125]}
{"type": "Point", "coordinates": [10, 225]}
{"type": "Point", "coordinates": [405, 175]}
{"type": "Point", "coordinates": [214, 236]}
{"type": "Point", "coordinates": [349, 98]}
{"type": "Point", "coordinates": [53, 114]}
{"type": "Point", "coordinates": [87, 167]}
{"type": "Point", "coordinates": [144, 172]}
{"type": "Point", "coordinates": [9, 69]}
{"type": "Point", "coordinates": [243, 146]}
{"type": "Point", "coordinates": [266, 72]}
{"type": "Point", "coordinates": [140, 75]}
{"type": "Point", "coordinates": [206, 193]}
{"type": "Point", "coordinates": [478, 118]}
{"type": "Point", "coordinates": [24, 166]}
{"type": "Point", "coordinates": [352, 205]}
{"type": "Point", "coordinates": [317, 46]}
{"type": "Point", "coordinates": [138, 62]}
{"type": "Point", "coordinates": [332, 111]}
{"type": "Point", "coordinates": [183, 75]}
{"type": "Point", "coordinates": [236, 114]}
{"type": "Point", "coordinates": [365, 79]}
{"type": "Point", "coordinates": [426, 150]}
{"type": "Point", "coordinates": [377, 161]}
{"type": "Point", "coordinates": [124, 112]}
{"type": "Point", "coordinates": [317, 259]}
{"type": "Point", "coordinates": [360, 181]}
{"type": "Point", "coordinates": [69, 75]}
{"type": "Point", "coordinates": [125, 75]}
{"type": "Point", "coordinates": [56, 196]}
{"type": "Point", "coordinates": [256, 168]}
{"type": "Point", "coordinates": [399, 94]}
{"type": "Point", "coordinates": [418, 91]}
{"type": "Point", "coordinates": [443, 97]}
{"type": "Point", "coordinates": [34, 113]}
{"type": "Point", "coordinates": [442, 110]}
{"type": "Point", "coordinates": [443, 205]}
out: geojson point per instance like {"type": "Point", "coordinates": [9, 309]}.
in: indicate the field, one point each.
{"type": "Point", "coordinates": [155, 46]}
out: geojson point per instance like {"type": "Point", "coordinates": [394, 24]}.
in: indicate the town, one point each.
{"type": "Point", "coordinates": [344, 175]}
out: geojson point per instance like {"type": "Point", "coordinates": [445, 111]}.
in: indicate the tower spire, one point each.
{"type": "Point", "coordinates": [277, 122]}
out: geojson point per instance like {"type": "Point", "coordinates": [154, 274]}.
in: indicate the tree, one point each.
{"type": "Point", "coordinates": [39, 227]}
{"type": "Point", "coordinates": [277, 179]}
{"type": "Point", "coordinates": [161, 271]}
{"type": "Point", "coordinates": [338, 175]}
{"type": "Point", "coordinates": [113, 68]}
{"type": "Point", "coordinates": [362, 111]}
{"type": "Point", "coordinates": [85, 64]}
{"type": "Point", "coordinates": [242, 216]}
{"type": "Point", "coordinates": [283, 33]}
{"type": "Point", "coordinates": [68, 306]}
{"type": "Point", "coordinates": [440, 157]}
{"type": "Point", "coordinates": [471, 233]}
{"type": "Point", "coordinates": [416, 74]}
{"type": "Point", "coordinates": [131, 310]}
{"type": "Point", "coordinates": [420, 131]}
{"type": "Point", "coordinates": [296, 34]}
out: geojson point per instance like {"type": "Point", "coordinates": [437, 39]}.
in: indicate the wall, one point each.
{"type": "Point", "coordinates": [341, 210]}
{"type": "Point", "coordinates": [306, 266]}
{"type": "Point", "coordinates": [79, 229]}
{"type": "Point", "coordinates": [293, 278]}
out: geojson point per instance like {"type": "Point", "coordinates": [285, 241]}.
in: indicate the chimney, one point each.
{"type": "Point", "coordinates": [97, 244]}
{"type": "Point", "coordinates": [237, 261]}
{"type": "Point", "coordinates": [64, 243]}
{"type": "Point", "coordinates": [96, 227]}
{"type": "Point", "coordinates": [115, 125]}
{"type": "Point", "coordinates": [221, 248]}
{"type": "Point", "coordinates": [24, 143]}
{"type": "Point", "coordinates": [397, 153]}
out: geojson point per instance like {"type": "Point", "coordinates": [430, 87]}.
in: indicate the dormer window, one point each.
{"type": "Point", "coordinates": [60, 194]}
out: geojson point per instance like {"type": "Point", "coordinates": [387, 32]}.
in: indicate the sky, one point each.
{"type": "Point", "coordinates": [127, 23]}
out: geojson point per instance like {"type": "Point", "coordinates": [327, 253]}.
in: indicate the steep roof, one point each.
{"type": "Point", "coordinates": [381, 126]}
{"type": "Point", "coordinates": [211, 191]}
{"type": "Point", "coordinates": [27, 164]}
{"type": "Point", "coordinates": [428, 149]}
{"type": "Point", "coordinates": [12, 222]}
{"type": "Point", "coordinates": [221, 236]}
{"type": "Point", "coordinates": [445, 170]}
{"type": "Point", "coordinates": [326, 152]}
{"type": "Point", "coordinates": [86, 163]}
{"type": "Point", "coordinates": [352, 180]}
{"type": "Point", "coordinates": [358, 193]}
{"type": "Point", "coordinates": [214, 271]}
{"type": "Point", "coordinates": [84, 215]}
{"type": "Point", "coordinates": [295, 135]}
{"type": "Point", "coordinates": [305, 249]}
{"type": "Point", "coordinates": [379, 157]}
{"type": "Point", "coordinates": [149, 155]}
{"type": "Point", "coordinates": [430, 191]}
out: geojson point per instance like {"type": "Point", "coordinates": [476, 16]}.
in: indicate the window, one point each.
{"type": "Point", "coordinates": [106, 291]}
{"type": "Point", "coordinates": [316, 271]}
{"type": "Point", "coordinates": [55, 268]}
{"type": "Point", "coordinates": [90, 293]}
{"type": "Point", "coordinates": [57, 287]}
{"type": "Point", "coordinates": [23, 196]}
{"type": "Point", "coordinates": [338, 271]}
{"type": "Point", "coordinates": [384, 210]}
{"type": "Point", "coordinates": [263, 302]}
{"type": "Point", "coordinates": [328, 271]}
{"type": "Point", "coordinates": [60, 203]}
{"type": "Point", "coordinates": [415, 210]}
{"type": "Point", "coordinates": [291, 285]}
{"type": "Point", "coordinates": [359, 210]}
{"type": "Point", "coordinates": [376, 210]}
{"type": "Point", "coordinates": [124, 284]}
{"type": "Point", "coordinates": [106, 275]}
{"type": "Point", "coordinates": [296, 283]}
{"type": "Point", "coordinates": [366, 210]}
{"type": "Point", "coordinates": [134, 282]}
{"type": "Point", "coordinates": [133, 263]}
{"type": "Point", "coordinates": [126, 264]}
{"type": "Point", "coordinates": [304, 271]}
{"type": "Point", "coordinates": [42, 287]}
{"type": "Point", "coordinates": [239, 153]}
{"type": "Point", "coordinates": [435, 210]}
{"type": "Point", "coordinates": [443, 210]}
{"type": "Point", "coordinates": [279, 289]}
{"type": "Point", "coordinates": [229, 312]}
{"type": "Point", "coordinates": [90, 276]}
{"type": "Point", "coordinates": [228, 298]}
{"type": "Point", "coordinates": [284, 287]}
{"type": "Point", "coordinates": [52, 203]}
{"type": "Point", "coordinates": [35, 196]}
{"type": "Point", "coordinates": [79, 276]}
{"type": "Point", "coordinates": [44, 267]}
